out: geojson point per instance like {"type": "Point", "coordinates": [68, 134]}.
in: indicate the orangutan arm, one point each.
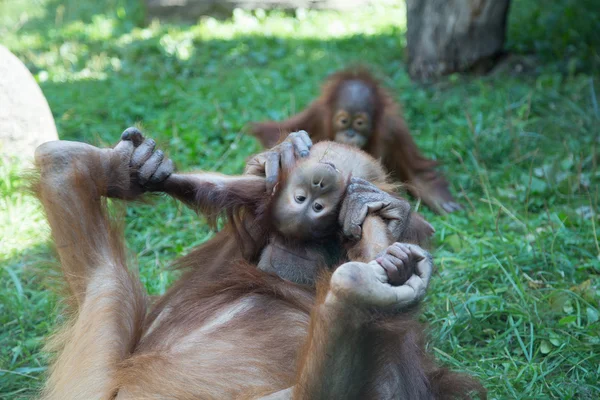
{"type": "Point", "coordinates": [311, 119]}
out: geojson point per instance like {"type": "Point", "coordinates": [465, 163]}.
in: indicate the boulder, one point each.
{"type": "Point", "coordinates": [25, 117]}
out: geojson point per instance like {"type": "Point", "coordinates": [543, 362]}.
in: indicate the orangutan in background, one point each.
{"type": "Point", "coordinates": [355, 109]}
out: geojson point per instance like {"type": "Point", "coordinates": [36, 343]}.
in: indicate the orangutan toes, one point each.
{"type": "Point", "coordinates": [150, 166]}
{"type": "Point", "coordinates": [435, 194]}
{"type": "Point", "coordinates": [134, 135]}
{"type": "Point", "coordinates": [132, 167]}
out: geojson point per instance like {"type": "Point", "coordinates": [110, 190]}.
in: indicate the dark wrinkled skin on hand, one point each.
{"type": "Point", "coordinates": [280, 159]}
{"type": "Point", "coordinates": [363, 198]}
{"type": "Point", "coordinates": [148, 167]}
{"type": "Point", "coordinates": [399, 262]}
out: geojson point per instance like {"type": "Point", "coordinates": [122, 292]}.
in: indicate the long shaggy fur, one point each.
{"type": "Point", "coordinates": [230, 332]}
{"type": "Point", "coordinates": [390, 140]}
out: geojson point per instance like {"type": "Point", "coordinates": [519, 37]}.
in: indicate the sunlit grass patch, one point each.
{"type": "Point", "coordinates": [515, 298]}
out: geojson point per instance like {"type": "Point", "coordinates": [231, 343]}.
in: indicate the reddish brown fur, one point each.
{"type": "Point", "coordinates": [251, 214]}
{"type": "Point", "coordinates": [111, 303]}
{"type": "Point", "coordinates": [390, 141]}
{"type": "Point", "coordinates": [245, 206]}
{"type": "Point", "coordinates": [391, 359]}
{"type": "Point", "coordinates": [237, 334]}
{"type": "Point", "coordinates": [248, 208]}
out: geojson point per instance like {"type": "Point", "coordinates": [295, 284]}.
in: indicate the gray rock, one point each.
{"type": "Point", "coordinates": [25, 117]}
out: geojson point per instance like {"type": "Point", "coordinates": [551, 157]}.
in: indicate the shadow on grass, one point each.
{"type": "Point", "coordinates": [521, 149]}
{"type": "Point", "coordinates": [562, 33]}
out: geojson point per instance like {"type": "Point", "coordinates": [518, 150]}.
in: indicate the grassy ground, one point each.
{"type": "Point", "coordinates": [516, 297]}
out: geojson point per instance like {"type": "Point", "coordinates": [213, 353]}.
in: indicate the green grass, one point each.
{"type": "Point", "coordinates": [515, 300]}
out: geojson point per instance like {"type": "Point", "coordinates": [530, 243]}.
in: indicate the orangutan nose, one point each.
{"type": "Point", "coordinates": [324, 176]}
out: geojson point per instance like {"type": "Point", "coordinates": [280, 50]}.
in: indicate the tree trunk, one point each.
{"type": "Point", "coordinates": [446, 36]}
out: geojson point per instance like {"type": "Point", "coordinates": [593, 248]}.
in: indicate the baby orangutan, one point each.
{"type": "Point", "coordinates": [355, 109]}
{"type": "Point", "coordinates": [332, 186]}
{"type": "Point", "coordinates": [335, 183]}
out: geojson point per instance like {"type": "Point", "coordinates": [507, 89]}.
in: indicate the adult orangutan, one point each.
{"type": "Point", "coordinates": [248, 334]}
{"type": "Point", "coordinates": [355, 109]}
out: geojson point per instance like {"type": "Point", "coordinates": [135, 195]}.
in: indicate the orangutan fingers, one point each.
{"type": "Point", "coordinates": [150, 167]}
{"type": "Point", "coordinates": [391, 266]}
{"type": "Point", "coordinates": [419, 287]}
{"type": "Point", "coordinates": [451, 206]}
{"type": "Point", "coordinates": [356, 212]}
{"type": "Point", "coordinates": [353, 224]}
{"type": "Point", "coordinates": [256, 165]}
{"type": "Point", "coordinates": [142, 153]}
{"type": "Point", "coordinates": [305, 137]}
{"type": "Point", "coordinates": [406, 295]}
{"type": "Point", "coordinates": [165, 170]}
{"type": "Point", "coordinates": [355, 208]}
{"type": "Point", "coordinates": [125, 148]}
{"type": "Point", "coordinates": [399, 251]}
{"type": "Point", "coordinates": [396, 209]}
{"type": "Point", "coordinates": [360, 185]}
{"type": "Point", "coordinates": [287, 156]}
{"type": "Point", "coordinates": [397, 214]}
{"type": "Point", "coordinates": [300, 145]}
{"type": "Point", "coordinates": [423, 259]}
{"type": "Point", "coordinates": [271, 170]}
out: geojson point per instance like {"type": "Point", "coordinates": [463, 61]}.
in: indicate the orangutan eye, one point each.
{"type": "Point", "coordinates": [343, 121]}
{"type": "Point", "coordinates": [300, 199]}
{"type": "Point", "coordinates": [317, 207]}
{"type": "Point", "coordinates": [360, 123]}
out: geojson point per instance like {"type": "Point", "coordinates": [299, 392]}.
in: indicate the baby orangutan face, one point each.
{"type": "Point", "coordinates": [354, 109]}
{"type": "Point", "coordinates": [307, 207]}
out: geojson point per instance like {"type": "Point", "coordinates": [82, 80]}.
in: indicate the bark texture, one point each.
{"type": "Point", "coordinates": [446, 36]}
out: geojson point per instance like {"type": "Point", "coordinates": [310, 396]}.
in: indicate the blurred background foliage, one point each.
{"type": "Point", "coordinates": [516, 297]}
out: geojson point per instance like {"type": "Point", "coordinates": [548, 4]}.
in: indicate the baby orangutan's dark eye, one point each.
{"type": "Point", "coordinates": [300, 199]}
{"type": "Point", "coordinates": [317, 207]}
